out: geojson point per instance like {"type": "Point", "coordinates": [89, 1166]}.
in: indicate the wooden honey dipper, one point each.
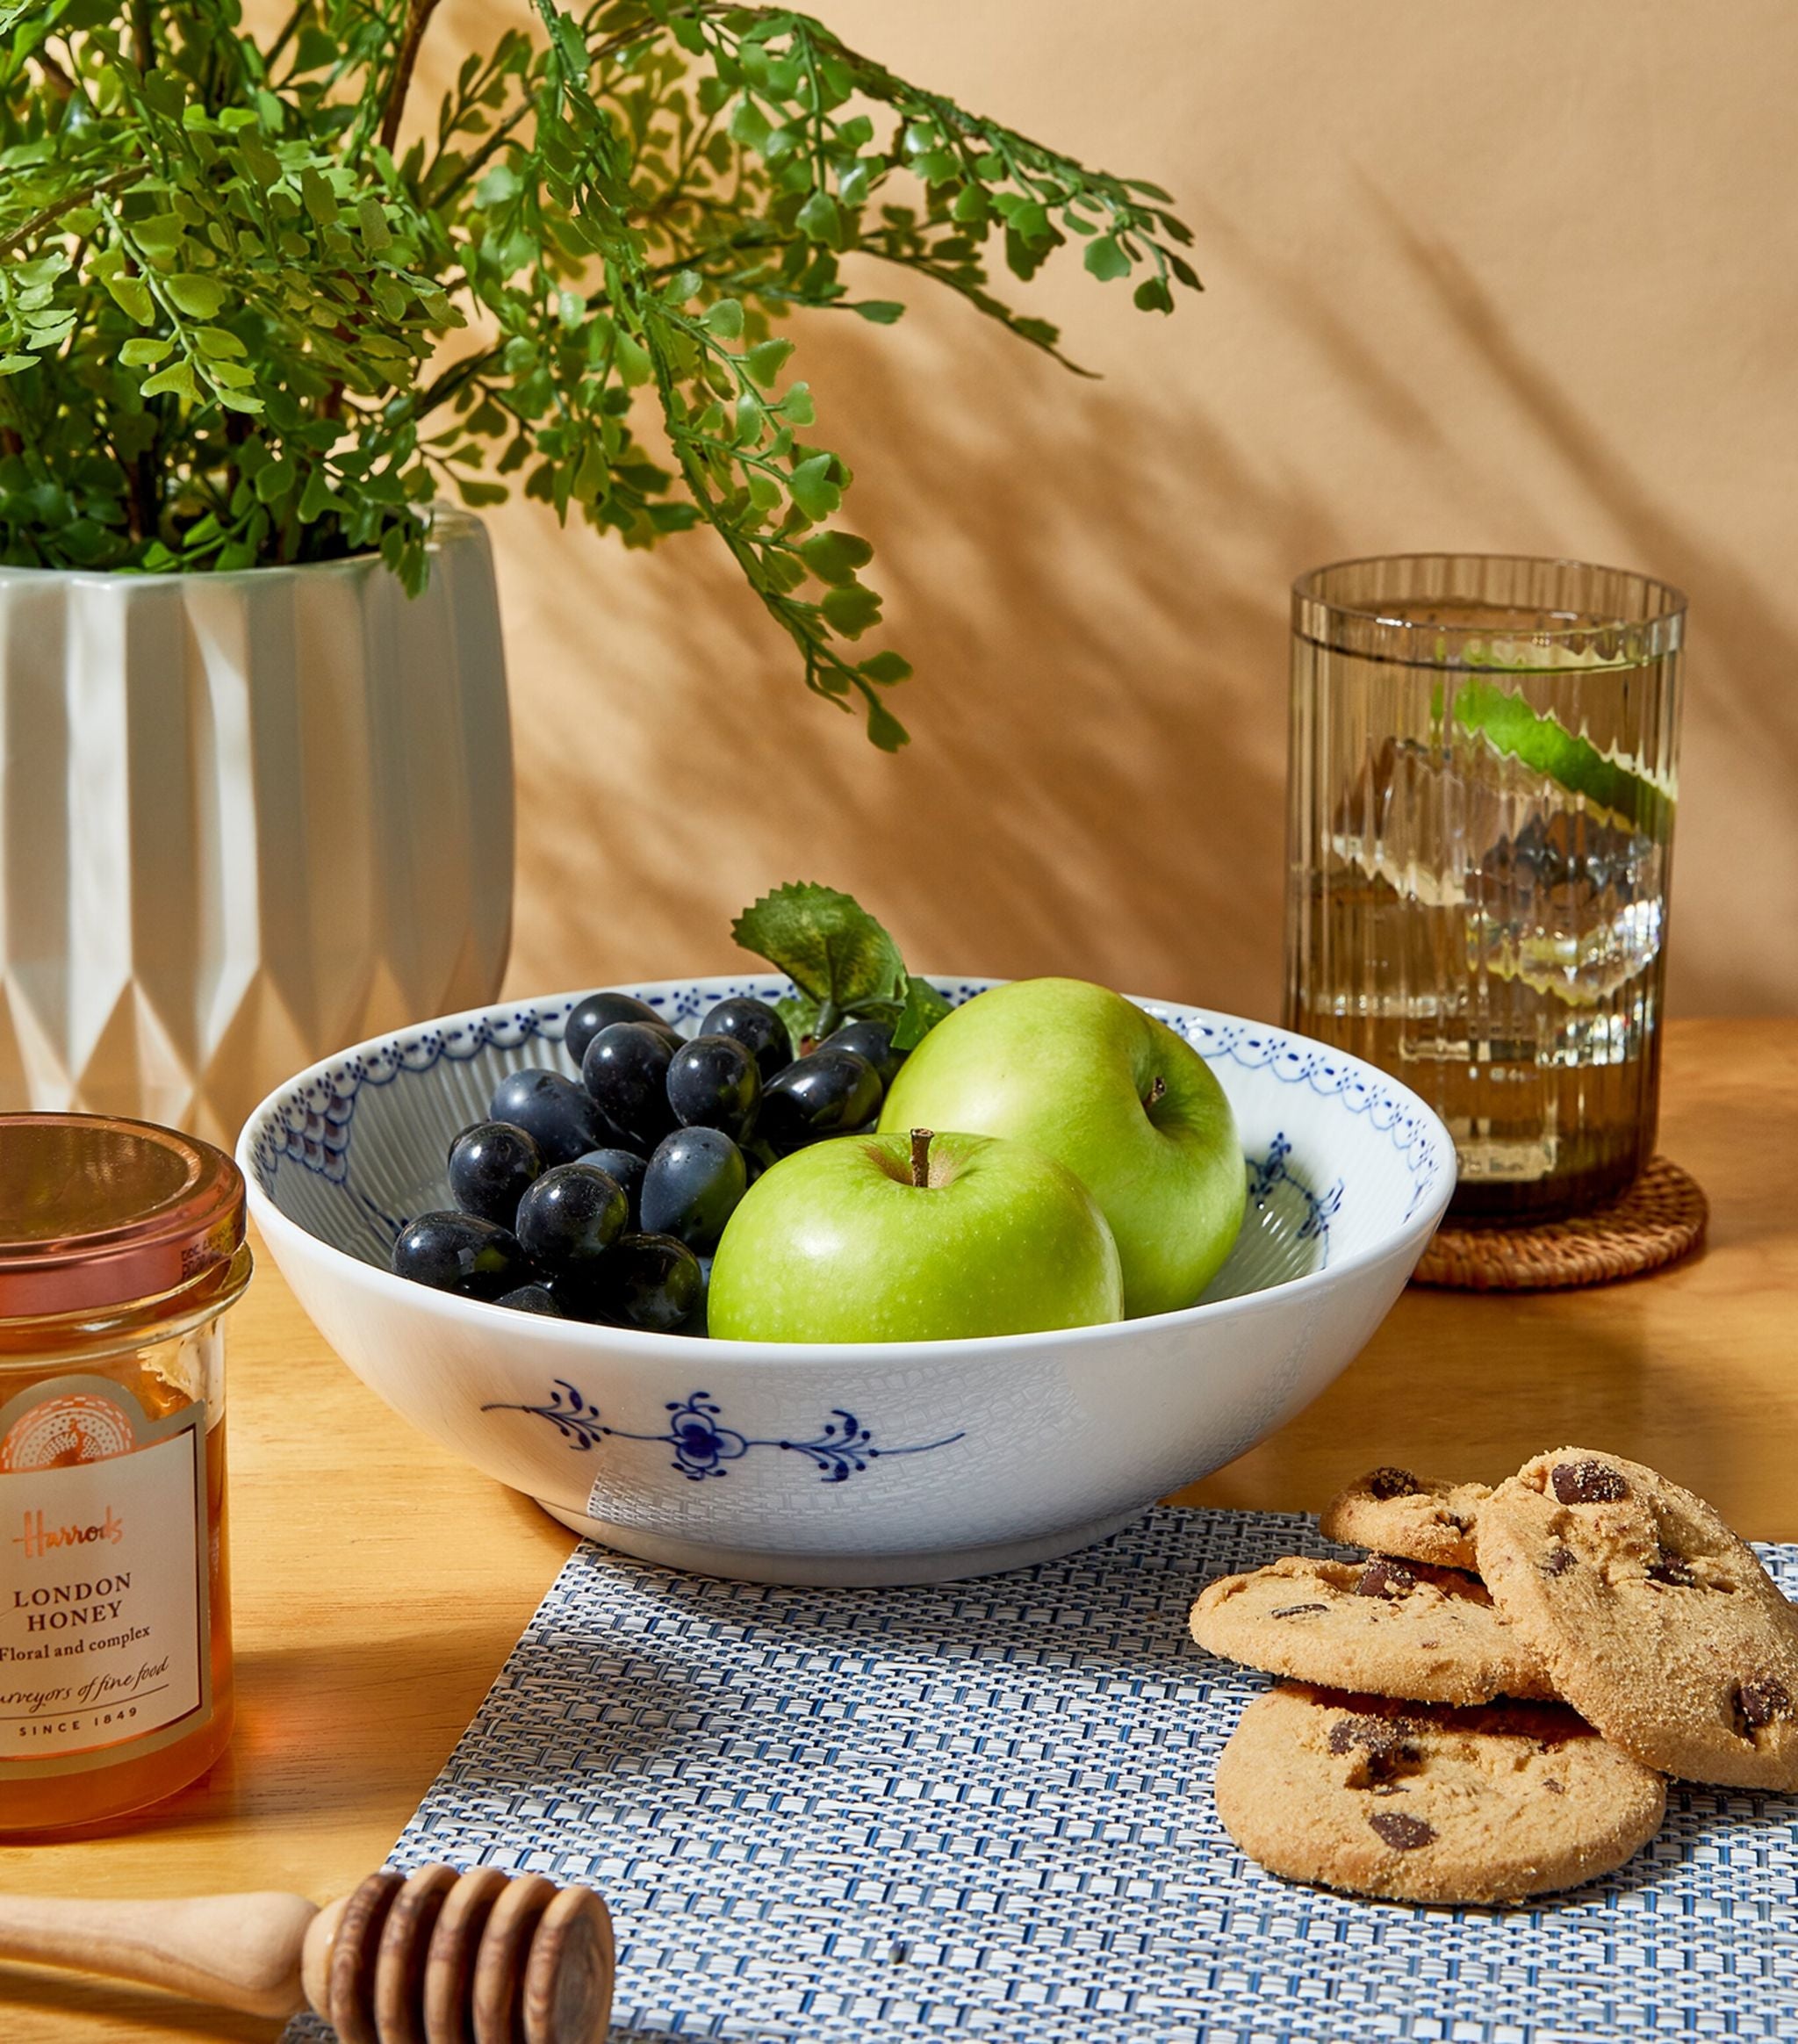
{"type": "Point", "coordinates": [435, 1957]}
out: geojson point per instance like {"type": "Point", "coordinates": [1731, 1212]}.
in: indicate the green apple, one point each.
{"type": "Point", "coordinates": [913, 1237]}
{"type": "Point", "coordinates": [1130, 1109]}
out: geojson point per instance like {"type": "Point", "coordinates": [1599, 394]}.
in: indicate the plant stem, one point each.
{"type": "Point", "coordinates": [68, 202]}
{"type": "Point", "coordinates": [417, 20]}
{"type": "Point", "coordinates": [921, 1140]}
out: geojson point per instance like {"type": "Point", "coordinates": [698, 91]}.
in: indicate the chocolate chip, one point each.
{"type": "Point", "coordinates": [1384, 1578]}
{"type": "Point", "coordinates": [1588, 1483]}
{"type": "Point", "coordinates": [1672, 1570]}
{"type": "Point", "coordinates": [1560, 1559]}
{"type": "Point", "coordinates": [1554, 1787]}
{"type": "Point", "coordinates": [1296, 1610]}
{"type": "Point", "coordinates": [1379, 1735]}
{"type": "Point", "coordinates": [1404, 1834]}
{"type": "Point", "coordinates": [1759, 1702]}
{"type": "Point", "coordinates": [1393, 1482]}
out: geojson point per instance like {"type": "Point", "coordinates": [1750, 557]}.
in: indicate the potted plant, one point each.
{"type": "Point", "coordinates": [262, 320]}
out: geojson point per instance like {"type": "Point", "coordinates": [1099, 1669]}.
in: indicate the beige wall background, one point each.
{"type": "Point", "coordinates": [1517, 275]}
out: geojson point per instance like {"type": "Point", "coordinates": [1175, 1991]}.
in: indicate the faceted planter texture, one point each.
{"type": "Point", "coordinates": [244, 820]}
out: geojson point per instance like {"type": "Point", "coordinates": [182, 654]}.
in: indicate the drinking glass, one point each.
{"type": "Point", "coordinates": [1482, 781]}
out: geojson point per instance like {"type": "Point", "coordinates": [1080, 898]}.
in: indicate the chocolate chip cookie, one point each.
{"type": "Point", "coordinates": [1653, 1619]}
{"type": "Point", "coordinates": [1420, 1517]}
{"type": "Point", "coordinates": [1426, 1803]}
{"type": "Point", "coordinates": [1400, 1629]}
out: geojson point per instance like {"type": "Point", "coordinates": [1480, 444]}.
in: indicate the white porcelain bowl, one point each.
{"type": "Point", "coordinates": [911, 1462]}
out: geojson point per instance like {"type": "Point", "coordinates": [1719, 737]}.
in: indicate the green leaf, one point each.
{"type": "Point", "coordinates": [1152, 295]}
{"type": "Point", "coordinates": [800, 1012]}
{"type": "Point", "coordinates": [724, 319]}
{"type": "Point", "coordinates": [1105, 259]}
{"type": "Point", "coordinates": [144, 351]}
{"type": "Point", "coordinates": [810, 487]}
{"type": "Point", "coordinates": [178, 378]}
{"type": "Point", "coordinates": [762, 363]}
{"type": "Point", "coordinates": [316, 499]}
{"type": "Point", "coordinates": [925, 1007]}
{"type": "Point", "coordinates": [635, 365]}
{"type": "Point", "coordinates": [850, 610]}
{"type": "Point", "coordinates": [10, 364]}
{"type": "Point", "coordinates": [885, 730]}
{"type": "Point", "coordinates": [797, 405]}
{"type": "Point", "coordinates": [820, 220]}
{"type": "Point", "coordinates": [834, 557]}
{"type": "Point", "coordinates": [826, 944]}
{"type": "Point", "coordinates": [749, 126]}
{"type": "Point", "coordinates": [879, 312]}
{"type": "Point", "coordinates": [886, 668]}
{"type": "Point", "coordinates": [377, 236]}
{"type": "Point", "coordinates": [133, 296]}
{"type": "Point", "coordinates": [200, 297]}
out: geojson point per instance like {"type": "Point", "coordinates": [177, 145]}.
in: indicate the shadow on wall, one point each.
{"type": "Point", "coordinates": [1092, 589]}
{"type": "Point", "coordinates": [1090, 578]}
{"type": "Point", "coordinates": [1732, 722]}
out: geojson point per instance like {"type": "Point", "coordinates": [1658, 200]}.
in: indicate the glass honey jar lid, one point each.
{"type": "Point", "coordinates": [96, 1213]}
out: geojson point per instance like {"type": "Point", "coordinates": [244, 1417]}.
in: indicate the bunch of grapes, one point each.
{"type": "Point", "coordinates": [602, 1200]}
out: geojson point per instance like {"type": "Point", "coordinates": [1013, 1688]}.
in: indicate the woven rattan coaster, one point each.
{"type": "Point", "coordinates": [1661, 1218]}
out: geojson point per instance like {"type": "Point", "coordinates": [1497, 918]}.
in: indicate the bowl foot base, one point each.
{"type": "Point", "coordinates": [841, 1572]}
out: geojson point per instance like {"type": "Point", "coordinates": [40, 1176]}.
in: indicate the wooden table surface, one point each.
{"type": "Point", "coordinates": [380, 1583]}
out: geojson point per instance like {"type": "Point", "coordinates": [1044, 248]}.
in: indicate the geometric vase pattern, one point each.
{"type": "Point", "coordinates": [245, 820]}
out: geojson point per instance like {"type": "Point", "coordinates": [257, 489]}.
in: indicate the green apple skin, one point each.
{"type": "Point", "coordinates": [1072, 1067]}
{"type": "Point", "coordinates": [836, 1243]}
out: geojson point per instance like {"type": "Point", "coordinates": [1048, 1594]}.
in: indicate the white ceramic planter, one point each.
{"type": "Point", "coordinates": [243, 819]}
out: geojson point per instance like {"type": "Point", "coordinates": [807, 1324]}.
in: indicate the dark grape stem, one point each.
{"type": "Point", "coordinates": [921, 1139]}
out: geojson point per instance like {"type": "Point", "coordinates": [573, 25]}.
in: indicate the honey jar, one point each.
{"type": "Point", "coordinates": [121, 1247]}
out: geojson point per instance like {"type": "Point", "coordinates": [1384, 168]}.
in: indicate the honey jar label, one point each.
{"type": "Point", "coordinates": [104, 1555]}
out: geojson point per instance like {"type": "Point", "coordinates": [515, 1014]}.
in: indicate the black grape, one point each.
{"type": "Point", "coordinates": [625, 1072]}
{"type": "Point", "coordinates": [651, 1281]}
{"type": "Point", "coordinates": [571, 1217]}
{"type": "Point", "coordinates": [533, 1298]}
{"type": "Point", "coordinates": [598, 1011]}
{"type": "Point", "coordinates": [757, 1028]}
{"type": "Point", "coordinates": [873, 1041]}
{"type": "Point", "coordinates": [490, 1166]}
{"type": "Point", "coordinates": [627, 1168]}
{"type": "Point", "coordinates": [691, 1186]}
{"type": "Point", "coordinates": [460, 1253]}
{"type": "Point", "coordinates": [555, 1112]}
{"type": "Point", "coordinates": [713, 1082]}
{"type": "Point", "coordinates": [829, 1093]}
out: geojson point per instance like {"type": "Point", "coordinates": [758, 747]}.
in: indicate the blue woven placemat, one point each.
{"type": "Point", "coordinates": [984, 1810]}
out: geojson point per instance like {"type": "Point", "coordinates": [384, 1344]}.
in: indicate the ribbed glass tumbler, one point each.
{"type": "Point", "coordinates": [1482, 789]}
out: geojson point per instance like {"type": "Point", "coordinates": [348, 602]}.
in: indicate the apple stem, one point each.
{"type": "Point", "coordinates": [921, 1157]}
{"type": "Point", "coordinates": [1157, 1091]}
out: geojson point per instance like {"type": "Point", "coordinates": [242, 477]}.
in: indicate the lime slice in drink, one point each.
{"type": "Point", "coordinates": [1510, 726]}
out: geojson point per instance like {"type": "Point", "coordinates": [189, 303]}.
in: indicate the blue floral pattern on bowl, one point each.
{"type": "Point", "coordinates": [841, 1448]}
